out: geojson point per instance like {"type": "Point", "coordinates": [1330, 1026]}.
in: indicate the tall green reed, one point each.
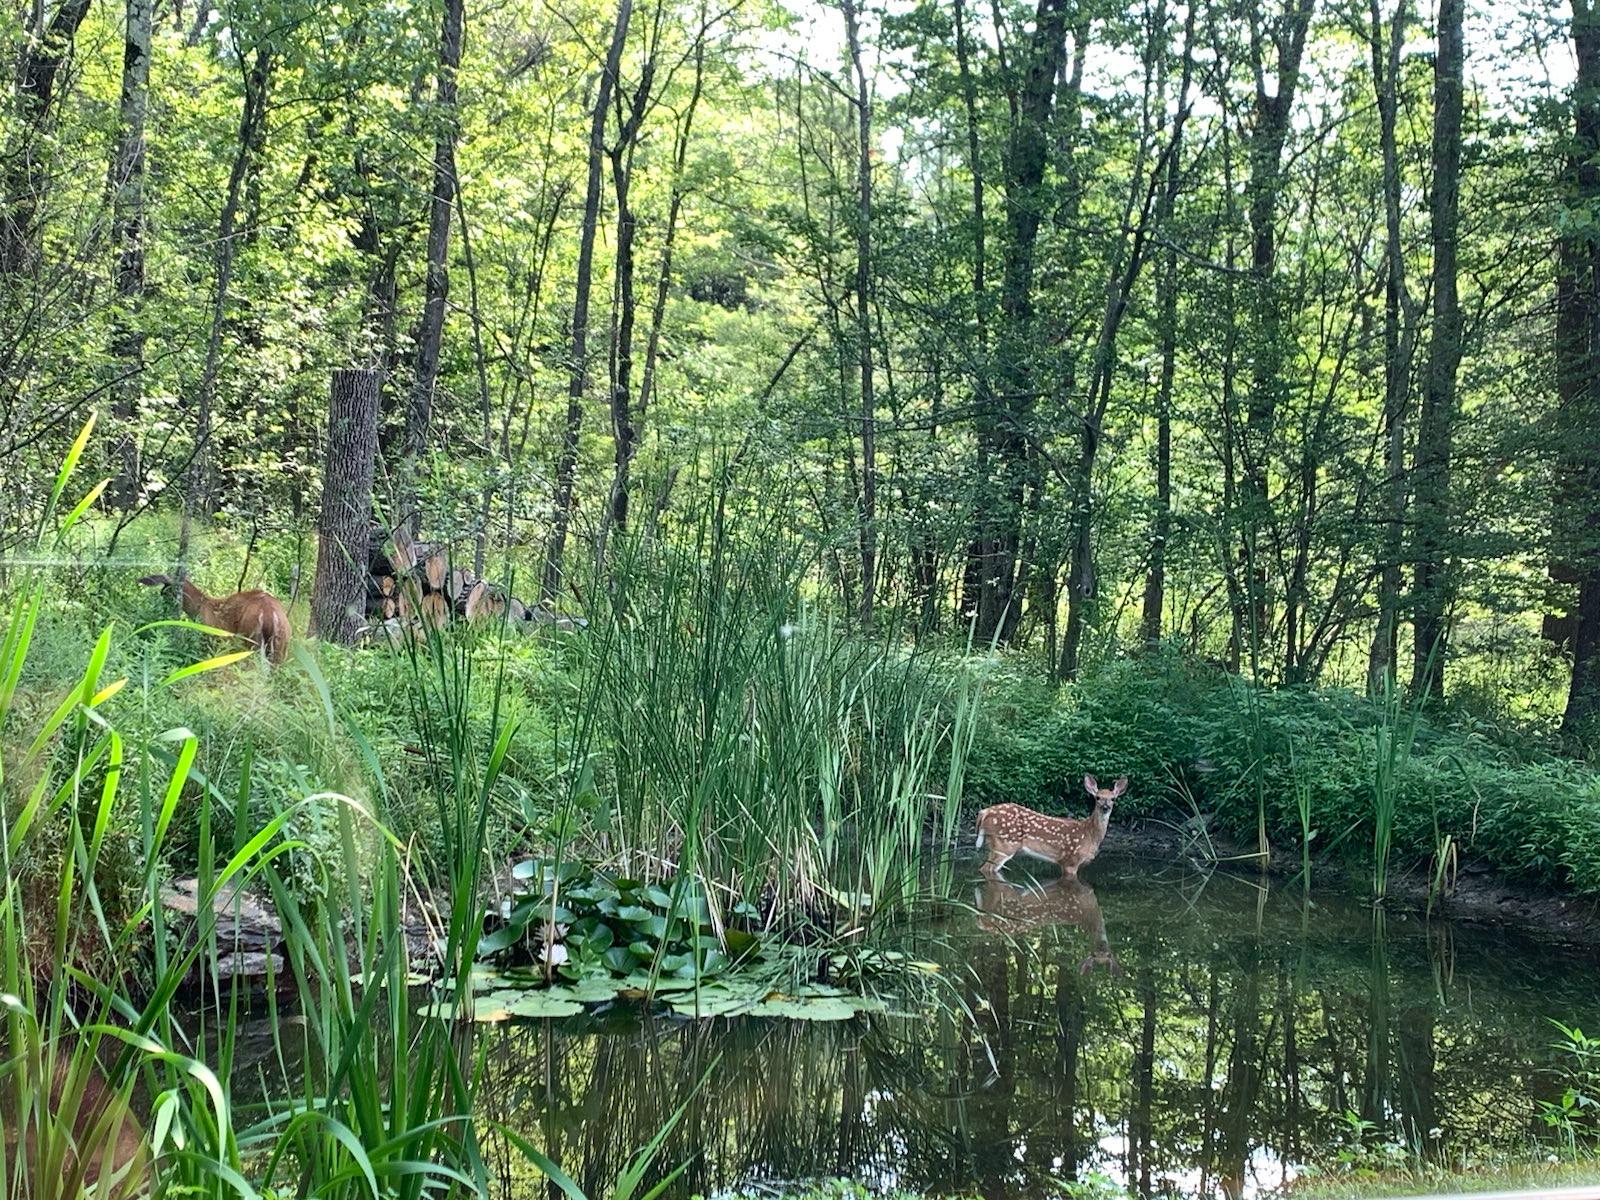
{"type": "Point", "coordinates": [751, 740]}
{"type": "Point", "coordinates": [1394, 732]}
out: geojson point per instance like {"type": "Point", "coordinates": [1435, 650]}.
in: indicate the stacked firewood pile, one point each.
{"type": "Point", "coordinates": [412, 585]}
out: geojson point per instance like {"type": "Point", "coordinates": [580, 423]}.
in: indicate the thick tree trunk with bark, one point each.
{"type": "Point", "coordinates": [578, 369]}
{"type": "Point", "coordinates": [1578, 380]}
{"type": "Point", "coordinates": [436, 292]}
{"type": "Point", "coordinates": [1003, 425]}
{"type": "Point", "coordinates": [128, 232]}
{"type": "Point", "coordinates": [338, 599]}
{"type": "Point", "coordinates": [25, 175]}
{"type": "Point", "coordinates": [1435, 431]}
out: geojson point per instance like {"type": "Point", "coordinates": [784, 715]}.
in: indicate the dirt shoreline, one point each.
{"type": "Point", "coordinates": [1480, 897]}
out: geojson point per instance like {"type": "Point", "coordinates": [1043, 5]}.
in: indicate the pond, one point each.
{"type": "Point", "coordinates": [1181, 1034]}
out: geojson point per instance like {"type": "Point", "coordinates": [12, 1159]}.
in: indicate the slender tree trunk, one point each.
{"type": "Point", "coordinates": [338, 598]}
{"type": "Point", "coordinates": [1002, 429]}
{"type": "Point", "coordinates": [1155, 584]}
{"type": "Point", "coordinates": [624, 420]}
{"type": "Point", "coordinates": [1397, 344]}
{"type": "Point", "coordinates": [200, 496]}
{"type": "Point", "coordinates": [480, 539]}
{"type": "Point", "coordinates": [983, 398]}
{"type": "Point", "coordinates": [436, 293]}
{"type": "Point", "coordinates": [1435, 430]}
{"type": "Point", "coordinates": [868, 531]}
{"type": "Point", "coordinates": [128, 231]}
{"type": "Point", "coordinates": [624, 432]}
{"type": "Point", "coordinates": [658, 310]}
{"type": "Point", "coordinates": [1267, 387]}
{"type": "Point", "coordinates": [578, 377]}
{"type": "Point", "coordinates": [1121, 279]}
{"type": "Point", "coordinates": [1578, 378]}
{"type": "Point", "coordinates": [980, 293]}
{"type": "Point", "coordinates": [25, 176]}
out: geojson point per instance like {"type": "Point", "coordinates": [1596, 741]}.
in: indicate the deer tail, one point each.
{"type": "Point", "coordinates": [982, 812]}
{"type": "Point", "coordinates": [156, 581]}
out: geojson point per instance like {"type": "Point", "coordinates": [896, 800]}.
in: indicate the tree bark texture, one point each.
{"type": "Point", "coordinates": [1272, 110]}
{"type": "Point", "coordinates": [338, 599]}
{"type": "Point", "coordinates": [1435, 431]}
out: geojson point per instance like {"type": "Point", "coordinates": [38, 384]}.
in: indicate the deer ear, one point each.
{"type": "Point", "coordinates": [1090, 786]}
{"type": "Point", "coordinates": [1122, 786]}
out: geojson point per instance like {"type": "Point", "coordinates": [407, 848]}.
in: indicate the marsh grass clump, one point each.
{"type": "Point", "coordinates": [734, 732]}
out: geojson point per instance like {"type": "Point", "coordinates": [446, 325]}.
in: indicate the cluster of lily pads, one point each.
{"type": "Point", "coordinates": [575, 937]}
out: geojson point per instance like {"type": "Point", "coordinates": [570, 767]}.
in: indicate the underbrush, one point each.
{"type": "Point", "coordinates": [1199, 743]}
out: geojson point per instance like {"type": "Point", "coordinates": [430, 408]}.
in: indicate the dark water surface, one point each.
{"type": "Point", "coordinates": [1182, 1035]}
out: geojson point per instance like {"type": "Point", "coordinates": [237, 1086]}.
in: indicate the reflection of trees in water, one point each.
{"type": "Point", "coordinates": [1233, 1045]}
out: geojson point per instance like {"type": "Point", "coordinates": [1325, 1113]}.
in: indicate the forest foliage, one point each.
{"type": "Point", "coordinates": [1266, 331]}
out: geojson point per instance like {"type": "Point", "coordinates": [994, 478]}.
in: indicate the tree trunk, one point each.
{"type": "Point", "coordinates": [868, 531]}
{"type": "Point", "coordinates": [1123, 275]}
{"type": "Point", "coordinates": [624, 421]}
{"type": "Point", "coordinates": [578, 377]}
{"type": "Point", "coordinates": [1436, 427]}
{"type": "Point", "coordinates": [658, 310]}
{"type": "Point", "coordinates": [199, 497]}
{"type": "Point", "coordinates": [1004, 453]}
{"type": "Point", "coordinates": [1397, 345]}
{"type": "Point", "coordinates": [1155, 583]}
{"type": "Point", "coordinates": [430, 325]}
{"type": "Point", "coordinates": [1578, 379]}
{"type": "Point", "coordinates": [128, 231]}
{"type": "Point", "coordinates": [27, 172]}
{"type": "Point", "coordinates": [1266, 393]}
{"type": "Point", "coordinates": [338, 599]}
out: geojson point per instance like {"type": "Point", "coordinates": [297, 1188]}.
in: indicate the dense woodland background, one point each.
{"type": "Point", "coordinates": [1267, 330]}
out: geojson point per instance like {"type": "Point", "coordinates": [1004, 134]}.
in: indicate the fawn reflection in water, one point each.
{"type": "Point", "coordinates": [1012, 908]}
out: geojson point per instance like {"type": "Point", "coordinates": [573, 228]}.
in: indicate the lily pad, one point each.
{"type": "Point", "coordinates": [544, 1003]}
{"type": "Point", "coordinates": [712, 1003]}
{"type": "Point", "coordinates": [818, 1008]}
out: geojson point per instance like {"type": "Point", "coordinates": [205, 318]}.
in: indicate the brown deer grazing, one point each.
{"type": "Point", "coordinates": [255, 616]}
{"type": "Point", "coordinates": [1005, 908]}
{"type": "Point", "coordinates": [1011, 829]}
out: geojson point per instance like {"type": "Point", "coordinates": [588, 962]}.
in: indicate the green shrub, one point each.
{"type": "Point", "coordinates": [1180, 729]}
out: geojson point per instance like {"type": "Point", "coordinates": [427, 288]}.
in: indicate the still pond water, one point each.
{"type": "Point", "coordinates": [1181, 1035]}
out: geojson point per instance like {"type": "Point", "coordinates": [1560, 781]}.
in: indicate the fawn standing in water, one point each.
{"type": "Point", "coordinates": [1010, 829]}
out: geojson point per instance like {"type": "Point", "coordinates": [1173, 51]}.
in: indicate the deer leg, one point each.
{"type": "Point", "coordinates": [995, 861]}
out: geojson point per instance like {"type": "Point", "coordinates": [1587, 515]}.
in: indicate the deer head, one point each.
{"type": "Point", "coordinates": [1105, 799]}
